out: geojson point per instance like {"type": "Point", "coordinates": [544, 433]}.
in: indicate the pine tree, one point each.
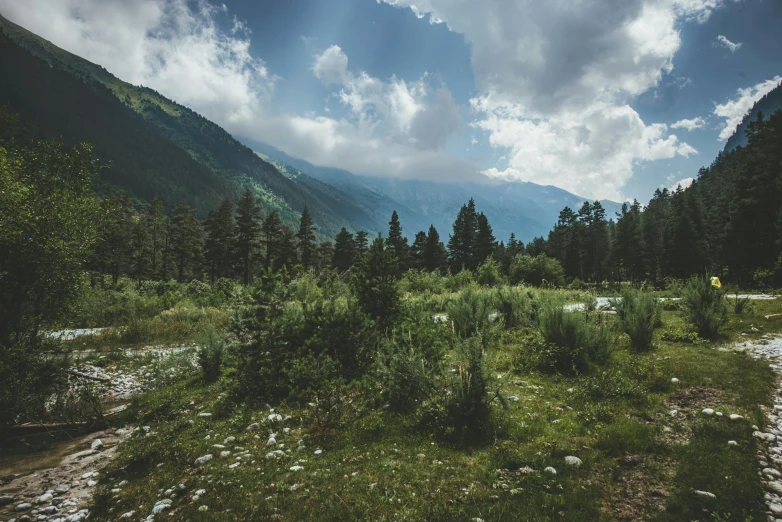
{"type": "Point", "coordinates": [186, 243]}
{"type": "Point", "coordinates": [324, 254]}
{"type": "Point", "coordinates": [417, 251]}
{"type": "Point", "coordinates": [248, 230]}
{"type": "Point", "coordinates": [397, 243]}
{"type": "Point", "coordinates": [219, 243]}
{"type": "Point", "coordinates": [361, 241]}
{"type": "Point", "coordinates": [140, 267]}
{"type": "Point", "coordinates": [272, 239]}
{"type": "Point", "coordinates": [435, 257]}
{"type": "Point", "coordinates": [375, 284]}
{"type": "Point", "coordinates": [155, 221]}
{"type": "Point", "coordinates": [306, 238]}
{"type": "Point", "coordinates": [344, 251]}
{"type": "Point", "coordinates": [484, 240]}
{"type": "Point", "coordinates": [115, 225]}
{"type": "Point", "coordinates": [461, 245]}
{"type": "Point", "coordinates": [288, 252]}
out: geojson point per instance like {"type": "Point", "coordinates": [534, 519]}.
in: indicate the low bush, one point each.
{"type": "Point", "coordinates": [473, 313]}
{"type": "Point", "coordinates": [211, 350]}
{"type": "Point", "coordinates": [705, 306]}
{"type": "Point", "coordinates": [639, 314]}
{"type": "Point", "coordinates": [570, 343]}
{"type": "Point", "coordinates": [515, 306]}
{"type": "Point", "coordinates": [536, 270]}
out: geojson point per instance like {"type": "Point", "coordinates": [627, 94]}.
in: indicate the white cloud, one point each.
{"type": "Point", "coordinates": [555, 80]}
{"type": "Point", "coordinates": [690, 125]}
{"type": "Point", "coordinates": [177, 47]}
{"type": "Point", "coordinates": [172, 46]}
{"type": "Point", "coordinates": [683, 183]}
{"type": "Point", "coordinates": [734, 110]}
{"type": "Point", "coordinates": [732, 47]}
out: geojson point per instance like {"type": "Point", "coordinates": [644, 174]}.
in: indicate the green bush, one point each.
{"type": "Point", "coordinates": [571, 343]}
{"type": "Point", "coordinates": [488, 273]}
{"type": "Point", "coordinates": [421, 281]}
{"type": "Point", "coordinates": [704, 306]}
{"type": "Point", "coordinates": [211, 350]}
{"type": "Point", "coordinates": [515, 306]}
{"type": "Point", "coordinates": [535, 270]}
{"type": "Point", "coordinates": [472, 313]}
{"type": "Point", "coordinates": [639, 314]}
{"type": "Point", "coordinates": [680, 335]}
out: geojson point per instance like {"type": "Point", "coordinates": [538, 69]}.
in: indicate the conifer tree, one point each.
{"type": "Point", "coordinates": [155, 222]}
{"type": "Point", "coordinates": [306, 239]}
{"type": "Point", "coordinates": [219, 242]}
{"type": "Point", "coordinates": [344, 251]}
{"type": "Point", "coordinates": [186, 243]}
{"type": "Point", "coordinates": [461, 245]}
{"type": "Point", "coordinates": [248, 230]}
{"type": "Point", "coordinates": [484, 240]}
{"type": "Point", "coordinates": [272, 239]}
{"type": "Point", "coordinates": [115, 226]}
{"type": "Point", "coordinates": [361, 241]}
{"type": "Point", "coordinates": [288, 252]}
{"type": "Point", "coordinates": [435, 257]}
{"type": "Point", "coordinates": [417, 251]}
{"type": "Point", "coordinates": [397, 243]}
{"type": "Point", "coordinates": [375, 283]}
{"type": "Point", "coordinates": [140, 250]}
{"type": "Point", "coordinates": [324, 254]}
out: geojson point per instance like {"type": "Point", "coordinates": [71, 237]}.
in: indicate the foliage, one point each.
{"type": "Point", "coordinates": [639, 313]}
{"type": "Point", "coordinates": [704, 306]}
{"type": "Point", "coordinates": [571, 342]}
{"type": "Point", "coordinates": [488, 273]}
{"type": "Point", "coordinates": [211, 351]}
{"type": "Point", "coordinates": [535, 270]}
{"type": "Point", "coordinates": [375, 284]}
{"type": "Point", "coordinates": [516, 307]}
{"type": "Point", "coordinates": [473, 313]}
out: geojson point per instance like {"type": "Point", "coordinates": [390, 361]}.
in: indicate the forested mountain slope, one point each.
{"type": "Point", "coordinates": [154, 145]}
{"type": "Point", "coordinates": [768, 104]}
{"type": "Point", "coordinates": [526, 209]}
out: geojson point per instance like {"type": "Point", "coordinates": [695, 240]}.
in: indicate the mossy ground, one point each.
{"type": "Point", "coordinates": [640, 462]}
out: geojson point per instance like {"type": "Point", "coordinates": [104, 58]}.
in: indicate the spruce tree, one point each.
{"type": "Point", "coordinates": [248, 230]}
{"type": "Point", "coordinates": [220, 236]}
{"type": "Point", "coordinates": [186, 243]}
{"type": "Point", "coordinates": [484, 240]}
{"type": "Point", "coordinates": [140, 249]}
{"type": "Point", "coordinates": [375, 284]}
{"type": "Point", "coordinates": [306, 239]}
{"type": "Point", "coordinates": [461, 245]}
{"type": "Point", "coordinates": [324, 254]}
{"type": "Point", "coordinates": [361, 241]}
{"type": "Point", "coordinates": [435, 257]}
{"type": "Point", "coordinates": [417, 251]}
{"type": "Point", "coordinates": [155, 221]}
{"type": "Point", "coordinates": [397, 243]}
{"type": "Point", "coordinates": [272, 239]}
{"type": "Point", "coordinates": [344, 251]}
{"type": "Point", "coordinates": [288, 252]}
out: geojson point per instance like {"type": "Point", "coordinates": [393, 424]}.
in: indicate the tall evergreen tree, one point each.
{"type": "Point", "coordinates": [435, 257]}
{"type": "Point", "coordinates": [219, 243]}
{"type": "Point", "coordinates": [324, 254]}
{"type": "Point", "coordinates": [397, 243]}
{"type": "Point", "coordinates": [248, 231]}
{"type": "Point", "coordinates": [461, 245]}
{"type": "Point", "coordinates": [484, 240]}
{"type": "Point", "coordinates": [272, 239]}
{"type": "Point", "coordinates": [417, 251]}
{"type": "Point", "coordinates": [115, 226]}
{"type": "Point", "coordinates": [361, 241]}
{"type": "Point", "coordinates": [140, 266]}
{"type": "Point", "coordinates": [344, 251]}
{"type": "Point", "coordinates": [288, 251]}
{"type": "Point", "coordinates": [186, 243]}
{"type": "Point", "coordinates": [375, 283]}
{"type": "Point", "coordinates": [156, 222]}
{"type": "Point", "coordinates": [306, 238]}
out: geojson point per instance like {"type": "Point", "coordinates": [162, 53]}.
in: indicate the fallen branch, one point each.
{"type": "Point", "coordinates": [87, 376]}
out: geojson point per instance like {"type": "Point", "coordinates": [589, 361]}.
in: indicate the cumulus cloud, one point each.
{"type": "Point", "coordinates": [177, 47]}
{"type": "Point", "coordinates": [683, 183]}
{"type": "Point", "coordinates": [690, 125]}
{"type": "Point", "coordinates": [173, 46]}
{"type": "Point", "coordinates": [732, 47]}
{"type": "Point", "coordinates": [555, 80]}
{"type": "Point", "coordinates": [734, 110]}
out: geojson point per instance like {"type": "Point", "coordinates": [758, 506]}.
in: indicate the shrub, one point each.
{"type": "Point", "coordinates": [421, 281]}
{"type": "Point", "coordinates": [472, 313]}
{"type": "Point", "coordinates": [211, 349]}
{"type": "Point", "coordinates": [705, 306]}
{"type": "Point", "coordinates": [460, 280]}
{"type": "Point", "coordinates": [488, 273]}
{"type": "Point", "coordinates": [639, 314]}
{"type": "Point", "coordinates": [571, 343]}
{"type": "Point", "coordinates": [739, 303]}
{"type": "Point", "coordinates": [680, 335]}
{"type": "Point", "coordinates": [535, 270]}
{"type": "Point", "coordinates": [515, 306]}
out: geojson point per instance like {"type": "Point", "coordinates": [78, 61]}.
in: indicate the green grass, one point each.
{"type": "Point", "coordinates": [639, 461]}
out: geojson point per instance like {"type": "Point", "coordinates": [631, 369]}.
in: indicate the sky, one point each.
{"type": "Point", "coordinates": [608, 99]}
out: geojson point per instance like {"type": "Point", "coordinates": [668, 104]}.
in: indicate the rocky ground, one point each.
{"type": "Point", "coordinates": [62, 493]}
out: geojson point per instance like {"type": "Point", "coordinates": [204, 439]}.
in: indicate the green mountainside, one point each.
{"type": "Point", "coordinates": [768, 105]}
{"type": "Point", "coordinates": [155, 146]}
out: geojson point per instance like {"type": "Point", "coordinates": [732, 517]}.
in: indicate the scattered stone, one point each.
{"type": "Point", "coordinates": [203, 508]}
{"type": "Point", "coordinates": [775, 508]}
{"type": "Point", "coordinates": [205, 415]}
{"type": "Point", "coordinates": [318, 451]}
{"type": "Point", "coordinates": [5, 499]}
{"type": "Point", "coordinates": [161, 505]}
{"type": "Point", "coordinates": [708, 411]}
{"type": "Point", "coordinates": [775, 486]}
{"type": "Point", "coordinates": [706, 495]}
{"type": "Point", "coordinates": [674, 380]}
{"type": "Point", "coordinates": [252, 427]}
{"type": "Point", "coordinates": [573, 461]}
{"type": "Point", "coordinates": [550, 470]}
{"type": "Point", "coordinates": [204, 459]}
{"type": "Point", "coordinates": [225, 453]}
{"type": "Point", "coordinates": [96, 445]}
{"type": "Point", "coordinates": [62, 488]}
{"type": "Point", "coordinates": [44, 499]}
{"type": "Point", "coordinates": [772, 472]}
{"type": "Point", "coordinates": [735, 416]}
{"type": "Point", "coordinates": [732, 443]}
{"type": "Point", "coordinates": [128, 514]}
{"type": "Point", "coordinates": [24, 506]}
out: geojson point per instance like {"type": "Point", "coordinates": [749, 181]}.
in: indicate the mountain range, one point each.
{"type": "Point", "coordinates": [154, 146]}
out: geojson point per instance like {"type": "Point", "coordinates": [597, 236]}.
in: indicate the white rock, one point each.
{"type": "Point", "coordinates": [205, 415]}
{"type": "Point", "coordinates": [772, 472]}
{"type": "Point", "coordinates": [513, 398]}
{"type": "Point", "coordinates": [706, 494]}
{"type": "Point", "coordinates": [297, 468]}
{"type": "Point", "coordinates": [674, 380]}
{"type": "Point", "coordinates": [43, 499]}
{"type": "Point", "coordinates": [318, 451]}
{"type": "Point", "coordinates": [707, 411]}
{"type": "Point", "coordinates": [271, 442]}
{"type": "Point", "coordinates": [234, 465]}
{"type": "Point", "coordinates": [203, 508]}
{"type": "Point", "coordinates": [24, 506]}
{"type": "Point", "coordinates": [274, 417]}
{"type": "Point", "coordinates": [229, 439]}
{"type": "Point", "coordinates": [96, 445]}
{"type": "Point", "coordinates": [252, 427]}
{"type": "Point", "coordinates": [550, 470]}
{"type": "Point", "coordinates": [735, 416]}
{"type": "Point", "coordinates": [573, 461]}
{"type": "Point", "coordinates": [732, 443]}
{"type": "Point", "coordinates": [92, 483]}
{"type": "Point", "coordinates": [775, 508]}
{"type": "Point", "coordinates": [673, 413]}
{"type": "Point", "coordinates": [775, 486]}
{"type": "Point", "coordinates": [128, 514]}
{"type": "Point", "coordinates": [205, 458]}
{"type": "Point", "coordinates": [225, 453]}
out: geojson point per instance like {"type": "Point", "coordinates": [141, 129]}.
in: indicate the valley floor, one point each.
{"type": "Point", "coordinates": [685, 432]}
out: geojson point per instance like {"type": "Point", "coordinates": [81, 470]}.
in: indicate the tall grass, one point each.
{"type": "Point", "coordinates": [473, 312]}
{"type": "Point", "coordinates": [705, 306]}
{"type": "Point", "coordinates": [571, 342]}
{"type": "Point", "coordinates": [639, 313]}
{"type": "Point", "coordinates": [515, 306]}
